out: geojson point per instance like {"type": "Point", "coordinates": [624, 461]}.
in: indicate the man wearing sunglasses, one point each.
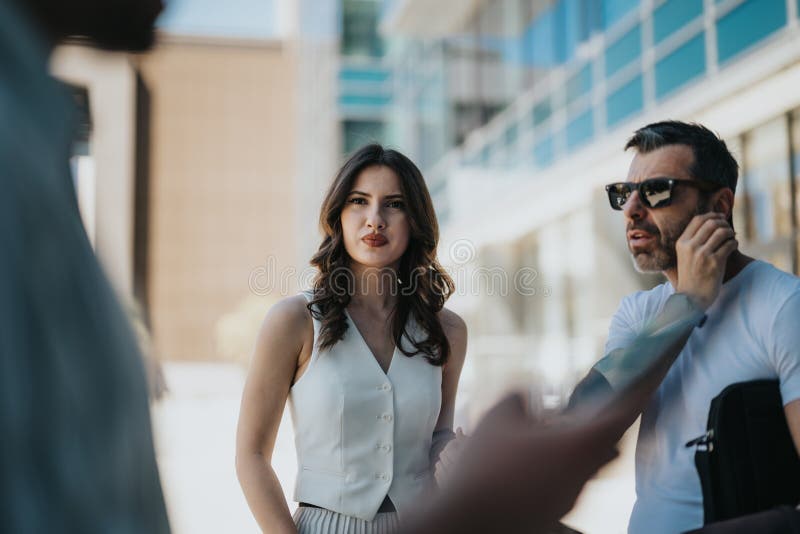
{"type": "Point", "coordinates": [677, 204]}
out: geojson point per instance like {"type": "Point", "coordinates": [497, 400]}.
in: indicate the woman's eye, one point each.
{"type": "Point", "coordinates": [398, 204]}
{"type": "Point", "coordinates": [357, 200]}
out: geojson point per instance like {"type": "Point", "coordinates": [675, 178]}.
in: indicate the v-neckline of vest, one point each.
{"type": "Point", "coordinates": [369, 350]}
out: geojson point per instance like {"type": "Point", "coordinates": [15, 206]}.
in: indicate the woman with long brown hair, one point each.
{"type": "Point", "coordinates": [369, 360]}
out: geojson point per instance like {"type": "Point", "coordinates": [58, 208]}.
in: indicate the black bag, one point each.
{"type": "Point", "coordinates": [747, 461]}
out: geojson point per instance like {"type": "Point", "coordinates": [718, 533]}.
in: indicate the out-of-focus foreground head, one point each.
{"type": "Point", "coordinates": [109, 24]}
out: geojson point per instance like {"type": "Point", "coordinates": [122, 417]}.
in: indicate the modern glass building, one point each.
{"type": "Point", "coordinates": [518, 111]}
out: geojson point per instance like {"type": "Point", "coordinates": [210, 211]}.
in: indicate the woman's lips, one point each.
{"type": "Point", "coordinates": [374, 240]}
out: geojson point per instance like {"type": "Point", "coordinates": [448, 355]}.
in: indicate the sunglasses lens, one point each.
{"type": "Point", "coordinates": [618, 195]}
{"type": "Point", "coordinates": [657, 193]}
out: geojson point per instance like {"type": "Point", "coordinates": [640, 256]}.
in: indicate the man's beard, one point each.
{"type": "Point", "coordinates": [663, 256]}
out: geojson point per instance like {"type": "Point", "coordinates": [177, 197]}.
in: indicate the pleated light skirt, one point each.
{"type": "Point", "coordinates": [321, 521]}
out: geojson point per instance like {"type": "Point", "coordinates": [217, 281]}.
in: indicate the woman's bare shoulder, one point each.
{"type": "Point", "coordinates": [454, 327]}
{"type": "Point", "coordinates": [288, 319]}
{"type": "Point", "coordinates": [452, 321]}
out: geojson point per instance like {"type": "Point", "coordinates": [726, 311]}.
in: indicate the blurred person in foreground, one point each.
{"type": "Point", "coordinates": [677, 206]}
{"type": "Point", "coordinates": [77, 449]}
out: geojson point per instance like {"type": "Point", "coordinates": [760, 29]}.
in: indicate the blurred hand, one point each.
{"type": "Point", "coordinates": [450, 458]}
{"type": "Point", "coordinates": [516, 475]}
{"type": "Point", "coordinates": [703, 251]}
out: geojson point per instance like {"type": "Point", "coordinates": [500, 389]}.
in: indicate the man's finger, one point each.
{"type": "Point", "coordinates": [726, 249]}
{"type": "Point", "coordinates": [707, 229]}
{"type": "Point", "coordinates": [696, 222]}
{"type": "Point", "coordinates": [717, 239]}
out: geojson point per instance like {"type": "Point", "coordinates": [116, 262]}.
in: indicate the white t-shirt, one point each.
{"type": "Point", "coordinates": [752, 332]}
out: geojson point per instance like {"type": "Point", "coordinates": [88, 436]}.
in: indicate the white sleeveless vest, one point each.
{"type": "Point", "coordinates": [360, 433]}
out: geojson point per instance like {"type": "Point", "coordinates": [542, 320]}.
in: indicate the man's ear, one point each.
{"type": "Point", "coordinates": [722, 202]}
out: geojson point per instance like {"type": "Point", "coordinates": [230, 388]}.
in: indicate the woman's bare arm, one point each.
{"type": "Point", "coordinates": [442, 454]}
{"type": "Point", "coordinates": [285, 335]}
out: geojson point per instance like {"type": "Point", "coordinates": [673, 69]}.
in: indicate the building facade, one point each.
{"type": "Point", "coordinates": [533, 101]}
{"type": "Point", "coordinates": [185, 174]}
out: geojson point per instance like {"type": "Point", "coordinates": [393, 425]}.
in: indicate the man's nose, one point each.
{"type": "Point", "coordinates": [634, 208]}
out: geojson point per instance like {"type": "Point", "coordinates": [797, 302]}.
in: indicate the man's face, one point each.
{"type": "Point", "coordinates": [652, 232]}
{"type": "Point", "coordinates": [110, 24]}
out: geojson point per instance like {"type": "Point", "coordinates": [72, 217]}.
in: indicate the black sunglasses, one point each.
{"type": "Point", "coordinates": [653, 192]}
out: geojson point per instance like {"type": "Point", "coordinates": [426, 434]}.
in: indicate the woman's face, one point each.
{"type": "Point", "coordinates": [374, 219]}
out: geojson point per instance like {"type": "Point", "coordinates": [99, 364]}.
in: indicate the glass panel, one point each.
{"type": "Point", "coordinates": [684, 64]}
{"type": "Point", "coordinates": [354, 74]}
{"type": "Point", "coordinates": [367, 100]}
{"type": "Point", "coordinates": [767, 194]}
{"type": "Point", "coordinates": [624, 50]}
{"type": "Point", "coordinates": [579, 84]}
{"type": "Point", "coordinates": [360, 28]}
{"type": "Point", "coordinates": [625, 101]}
{"type": "Point", "coordinates": [613, 10]}
{"type": "Point", "coordinates": [542, 112]}
{"type": "Point", "coordinates": [359, 133]}
{"type": "Point", "coordinates": [580, 130]}
{"type": "Point", "coordinates": [590, 18]}
{"type": "Point", "coordinates": [747, 24]}
{"type": "Point", "coordinates": [486, 155]}
{"type": "Point", "coordinates": [551, 36]}
{"type": "Point", "coordinates": [674, 15]}
{"type": "Point", "coordinates": [567, 21]}
{"type": "Point", "coordinates": [511, 134]}
{"type": "Point", "coordinates": [543, 152]}
{"type": "Point", "coordinates": [540, 40]}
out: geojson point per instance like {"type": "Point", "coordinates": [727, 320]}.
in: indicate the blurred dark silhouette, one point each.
{"type": "Point", "coordinates": [77, 447]}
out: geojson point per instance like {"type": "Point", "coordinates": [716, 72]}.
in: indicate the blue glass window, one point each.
{"type": "Point", "coordinates": [371, 100]}
{"type": "Point", "coordinates": [357, 133]}
{"type": "Point", "coordinates": [747, 24]}
{"type": "Point", "coordinates": [568, 17]}
{"type": "Point", "coordinates": [541, 112]}
{"type": "Point", "coordinates": [589, 15]}
{"type": "Point", "coordinates": [580, 83]}
{"type": "Point", "coordinates": [624, 50]}
{"type": "Point", "coordinates": [485, 155]}
{"type": "Point", "coordinates": [511, 134]}
{"type": "Point", "coordinates": [543, 152]}
{"type": "Point", "coordinates": [684, 64]}
{"type": "Point", "coordinates": [349, 74]}
{"type": "Point", "coordinates": [625, 101]}
{"type": "Point", "coordinates": [580, 129]}
{"type": "Point", "coordinates": [674, 15]}
{"type": "Point", "coordinates": [538, 41]}
{"type": "Point", "coordinates": [613, 10]}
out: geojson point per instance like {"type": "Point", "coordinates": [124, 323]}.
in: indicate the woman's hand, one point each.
{"type": "Point", "coordinates": [449, 458]}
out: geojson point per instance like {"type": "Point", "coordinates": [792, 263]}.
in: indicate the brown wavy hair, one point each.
{"type": "Point", "coordinates": [425, 284]}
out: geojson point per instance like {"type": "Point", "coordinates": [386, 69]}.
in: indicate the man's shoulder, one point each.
{"type": "Point", "coordinates": [647, 301]}
{"type": "Point", "coordinates": [768, 283]}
